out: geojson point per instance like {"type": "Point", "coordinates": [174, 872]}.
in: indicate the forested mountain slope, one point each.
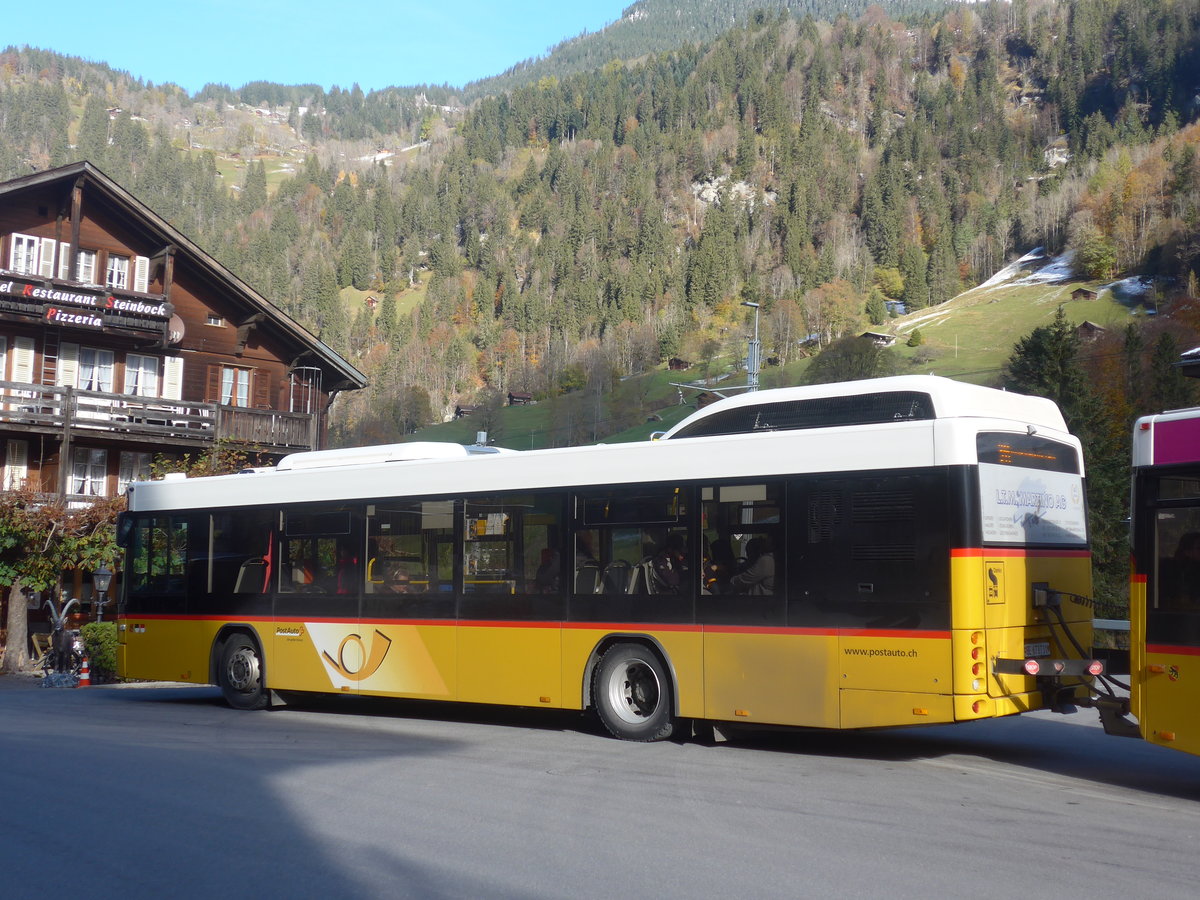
{"type": "Point", "coordinates": [655, 26]}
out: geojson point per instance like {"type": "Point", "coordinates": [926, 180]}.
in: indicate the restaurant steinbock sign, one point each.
{"type": "Point", "coordinates": [84, 309]}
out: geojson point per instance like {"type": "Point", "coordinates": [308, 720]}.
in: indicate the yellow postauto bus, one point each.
{"type": "Point", "coordinates": [1164, 607]}
{"type": "Point", "coordinates": [891, 552]}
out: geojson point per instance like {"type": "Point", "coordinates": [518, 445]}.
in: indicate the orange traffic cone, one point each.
{"type": "Point", "coordinates": [85, 674]}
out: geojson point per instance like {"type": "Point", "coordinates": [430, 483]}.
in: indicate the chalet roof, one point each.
{"type": "Point", "coordinates": [347, 376]}
{"type": "Point", "coordinates": [1189, 362]}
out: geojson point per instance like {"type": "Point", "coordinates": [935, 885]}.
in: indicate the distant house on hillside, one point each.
{"type": "Point", "coordinates": [1083, 294]}
{"type": "Point", "coordinates": [675, 364]}
{"type": "Point", "coordinates": [460, 411]}
{"type": "Point", "coordinates": [878, 338]}
{"type": "Point", "coordinates": [1089, 331]}
{"type": "Point", "coordinates": [519, 398]}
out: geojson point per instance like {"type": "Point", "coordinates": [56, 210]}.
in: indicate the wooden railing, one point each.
{"type": "Point", "coordinates": [45, 408]}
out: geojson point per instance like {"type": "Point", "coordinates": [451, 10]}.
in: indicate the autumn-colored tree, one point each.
{"type": "Point", "coordinates": [40, 539]}
{"type": "Point", "coordinates": [832, 310]}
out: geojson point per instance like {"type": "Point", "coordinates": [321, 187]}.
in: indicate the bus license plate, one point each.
{"type": "Point", "coordinates": [1037, 649]}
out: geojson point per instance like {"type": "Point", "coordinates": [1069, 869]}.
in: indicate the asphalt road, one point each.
{"type": "Point", "coordinates": [161, 791]}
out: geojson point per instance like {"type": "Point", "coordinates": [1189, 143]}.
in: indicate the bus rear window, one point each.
{"type": "Point", "coordinates": [818, 412]}
{"type": "Point", "coordinates": [1026, 451]}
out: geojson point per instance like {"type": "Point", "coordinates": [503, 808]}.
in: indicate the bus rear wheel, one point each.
{"type": "Point", "coordinates": [240, 674]}
{"type": "Point", "coordinates": [632, 693]}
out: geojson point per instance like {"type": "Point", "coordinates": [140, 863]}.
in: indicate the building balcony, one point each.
{"type": "Point", "coordinates": [42, 409]}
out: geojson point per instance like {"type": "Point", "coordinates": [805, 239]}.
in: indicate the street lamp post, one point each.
{"type": "Point", "coordinates": [101, 580]}
{"type": "Point", "coordinates": [754, 352]}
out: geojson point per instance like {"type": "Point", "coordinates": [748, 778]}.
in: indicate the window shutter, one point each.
{"type": "Point", "coordinates": [64, 261]}
{"type": "Point", "coordinates": [3, 358]}
{"type": "Point", "coordinates": [173, 378]}
{"type": "Point", "coordinates": [212, 385]}
{"type": "Point", "coordinates": [68, 365]}
{"type": "Point", "coordinates": [141, 274]}
{"type": "Point", "coordinates": [46, 258]}
{"type": "Point", "coordinates": [23, 356]}
{"type": "Point", "coordinates": [262, 390]}
{"type": "Point", "coordinates": [16, 465]}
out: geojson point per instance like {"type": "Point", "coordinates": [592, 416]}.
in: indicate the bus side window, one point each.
{"type": "Point", "coordinates": [1179, 574]}
{"type": "Point", "coordinates": [241, 547]}
{"type": "Point", "coordinates": [409, 541]}
{"type": "Point", "coordinates": [319, 554]}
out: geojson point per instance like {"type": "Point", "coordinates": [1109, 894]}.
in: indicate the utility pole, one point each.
{"type": "Point", "coordinates": [754, 352]}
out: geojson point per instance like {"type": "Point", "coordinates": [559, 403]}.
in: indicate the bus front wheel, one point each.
{"type": "Point", "coordinates": [632, 693]}
{"type": "Point", "coordinates": [241, 674]}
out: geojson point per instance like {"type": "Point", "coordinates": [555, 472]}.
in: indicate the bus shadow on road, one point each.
{"type": "Point", "coordinates": [1051, 744]}
{"type": "Point", "coordinates": [1067, 746]}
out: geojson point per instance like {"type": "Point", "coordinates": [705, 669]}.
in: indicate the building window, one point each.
{"type": "Point", "coordinates": [117, 273]}
{"type": "Point", "coordinates": [95, 370]}
{"type": "Point", "coordinates": [214, 320]}
{"type": "Point", "coordinates": [23, 254]}
{"type": "Point", "coordinates": [135, 466]}
{"type": "Point", "coordinates": [85, 267]}
{"type": "Point", "coordinates": [16, 465]}
{"type": "Point", "coordinates": [235, 386]}
{"type": "Point", "coordinates": [89, 468]}
{"type": "Point", "coordinates": [141, 375]}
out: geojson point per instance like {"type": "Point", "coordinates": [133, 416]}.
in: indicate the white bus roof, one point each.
{"type": "Point", "coordinates": [420, 469]}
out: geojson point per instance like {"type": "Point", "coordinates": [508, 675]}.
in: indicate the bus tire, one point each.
{"type": "Point", "coordinates": [632, 693]}
{"type": "Point", "coordinates": [240, 674]}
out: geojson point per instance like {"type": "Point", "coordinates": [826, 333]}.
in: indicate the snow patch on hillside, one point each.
{"type": "Point", "coordinates": [1031, 269]}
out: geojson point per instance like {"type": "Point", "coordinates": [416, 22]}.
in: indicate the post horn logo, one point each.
{"type": "Point", "coordinates": [354, 661]}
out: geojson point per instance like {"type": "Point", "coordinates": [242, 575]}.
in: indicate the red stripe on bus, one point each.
{"type": "Point", "coordinates": [907, 634]}
{"type": "Point", "coordinates": [1138, 578]}
{"type": "Point", "coordinates": [167, 617]}
{"type": "Point", "coordinates": [1011, 552]}
{"type": "Point", "coordinates": [1172, 650]}
{"type": "Point", "coordinates": [487, 623]}
{"type": "Point", "coordinates": [767, 629]}
{"type": "Point", "coordinates": [629, 626]}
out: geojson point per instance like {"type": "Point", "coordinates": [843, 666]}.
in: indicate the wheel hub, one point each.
{"type": "Point", "coordinates": [244, 670]}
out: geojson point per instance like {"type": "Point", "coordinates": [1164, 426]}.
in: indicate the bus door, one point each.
{"type": "Point", "coordinates": [408, 610]}
{"type": "Point", "coordinates": [511, 608]}
{"type": "Point", "coordinates": [318, 642]}
{"type": "Point", "coordinates": [1168, 553]}
{"type": "Point", "coordinates": [755, 668]}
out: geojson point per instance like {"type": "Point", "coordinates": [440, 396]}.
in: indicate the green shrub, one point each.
{"type": "Point", "coordinates": [100, 643]}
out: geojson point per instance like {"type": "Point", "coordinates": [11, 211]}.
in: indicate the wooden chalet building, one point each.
{"type": "Point", "coordinates": [120, 339]}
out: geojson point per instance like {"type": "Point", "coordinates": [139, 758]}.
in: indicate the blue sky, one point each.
{"type": "Point", "coordinates": [326, 42]}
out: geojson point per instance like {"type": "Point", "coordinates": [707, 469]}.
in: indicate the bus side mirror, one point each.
{"type": "Point", "coordinates": [124, 529]}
